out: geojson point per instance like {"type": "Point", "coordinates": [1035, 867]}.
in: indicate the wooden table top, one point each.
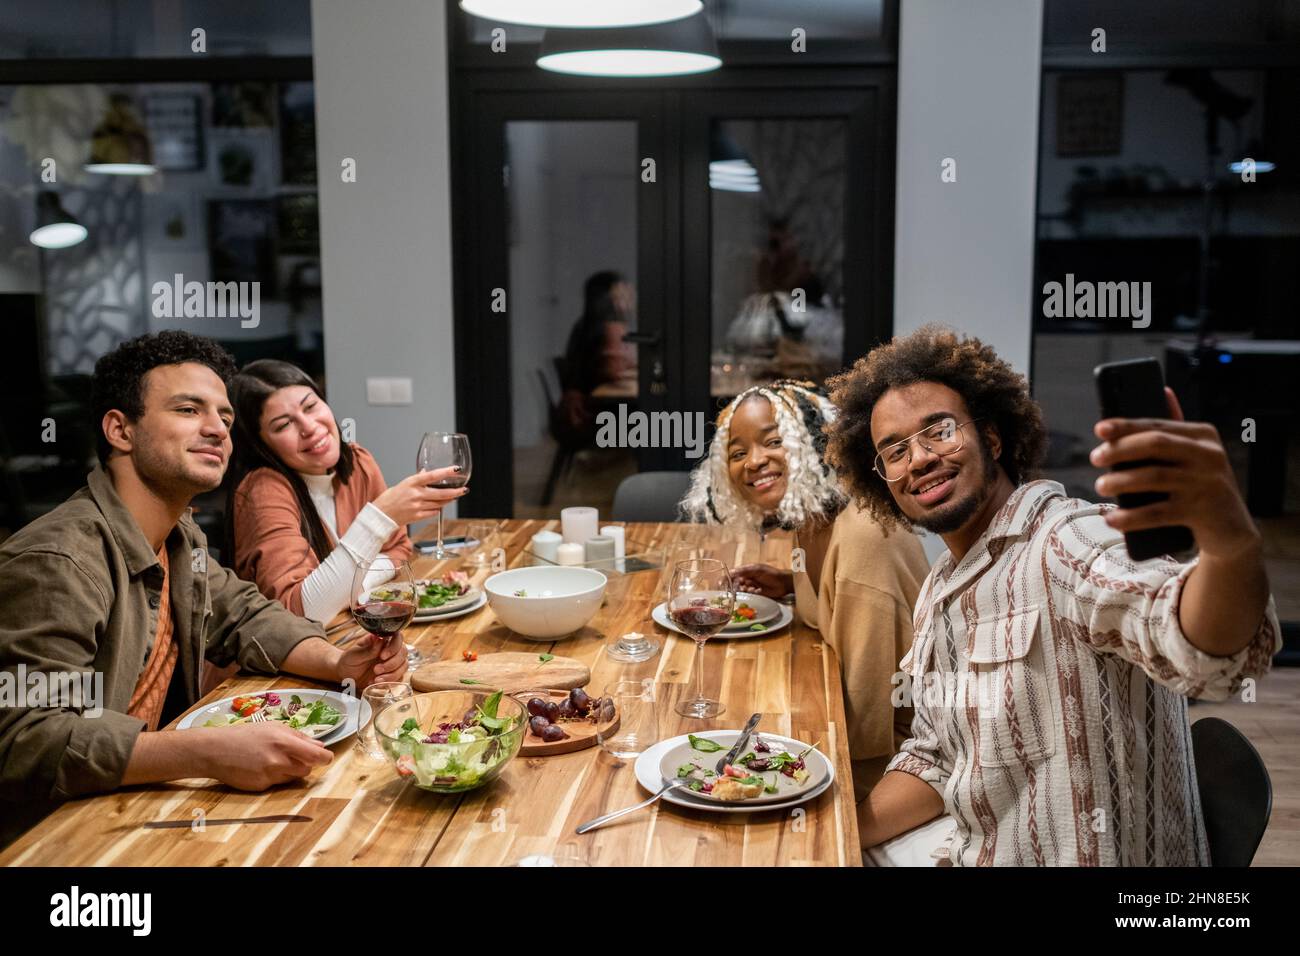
{"type": "Point", "coordinates": [362, 813]}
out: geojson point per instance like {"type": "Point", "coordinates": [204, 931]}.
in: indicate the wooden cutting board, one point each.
{"type": "Point", "coordinates": [582, 732]}
{"type": "Point", "coordinates": [509, 671]}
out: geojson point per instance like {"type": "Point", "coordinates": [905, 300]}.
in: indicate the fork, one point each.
{"type": "Point", "coordinates": [601, 821]}
{"type": "Point", "coordinates": [258, 717]}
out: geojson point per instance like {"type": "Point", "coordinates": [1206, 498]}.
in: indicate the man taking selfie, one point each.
{"type": "Point", "coordinates": [1049, 672]}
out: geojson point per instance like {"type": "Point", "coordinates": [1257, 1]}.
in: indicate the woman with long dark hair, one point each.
{"type": "Point", "coordinates": [305, 507]}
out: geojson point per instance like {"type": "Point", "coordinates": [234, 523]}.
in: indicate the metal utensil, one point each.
{"type": "Point", "coordinates": [187, 824]}
{"type": "Point", "coordinates": [739, 748]}
{"type": "Point", "coordinates": [601, 821]}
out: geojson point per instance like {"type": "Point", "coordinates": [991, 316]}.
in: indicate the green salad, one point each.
{"type": "Point", "coordinates": [315, 719]}
{"type": "Point", "coordinates": [455, 756]}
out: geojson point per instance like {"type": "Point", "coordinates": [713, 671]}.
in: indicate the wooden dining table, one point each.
{"type": "Point", "coordinates": [360, 812]}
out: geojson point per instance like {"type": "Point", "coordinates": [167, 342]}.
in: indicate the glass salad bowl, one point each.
{"type": "Point", "coordinates": [449, 741]}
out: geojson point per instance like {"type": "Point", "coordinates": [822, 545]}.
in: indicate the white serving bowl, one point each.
{"type": "Point", "coordinates": [559, 600]}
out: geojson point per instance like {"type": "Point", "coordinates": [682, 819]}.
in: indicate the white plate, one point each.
{"type": "Point", "coordinates": [430, 615]}
{"type": "Point", "coordinates": [648, 774]}
{"type": "Point", "coordinates": [660, 615]}
{"type": "Point", "coordinates": [346, 727]}
{"type": "Point", "coordinates": [765, 609]}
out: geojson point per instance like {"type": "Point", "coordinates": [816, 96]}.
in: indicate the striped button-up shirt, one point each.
{"type": "Point", "coordinates": [1050, 677]}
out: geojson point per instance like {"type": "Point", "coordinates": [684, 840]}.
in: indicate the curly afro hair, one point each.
{"type": "Point", "coordinates": [993, 391]}
{"type": "Point", "coordinates": [119, 375]}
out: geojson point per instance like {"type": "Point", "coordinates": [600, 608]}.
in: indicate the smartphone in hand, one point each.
{"type": "Point", "coordinates": [1136, 389]}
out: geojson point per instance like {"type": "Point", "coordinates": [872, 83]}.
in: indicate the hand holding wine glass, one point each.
{"type": "Point", "coordinates": [440, 451]}
{"type": "Point", "coordinates": [419, 496]}
{"type": "Point", "coordinates": [701, 597]}
{"type": "Point", "coordinates": [383, 602]}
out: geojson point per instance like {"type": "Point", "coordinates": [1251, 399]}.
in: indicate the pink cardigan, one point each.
{"type": "Point", "coordinates": [270, 547]}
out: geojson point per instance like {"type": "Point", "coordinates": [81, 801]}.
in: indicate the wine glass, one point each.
{"type": "Point", "coordinates": [384, 599]}
{"type": "Point", "coordinates": [701, 597]}
{"type": "Point", "coordinates": [443, 450]}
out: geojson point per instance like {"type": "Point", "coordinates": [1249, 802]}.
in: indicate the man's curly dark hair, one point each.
{"type": "Point", "coordinates": [993, 391]}
{"type": "Point", "coordinates": [119, 374]}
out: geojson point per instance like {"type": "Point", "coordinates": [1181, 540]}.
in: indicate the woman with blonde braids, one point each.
{"type": "Point", "coordinates": [765, 469]}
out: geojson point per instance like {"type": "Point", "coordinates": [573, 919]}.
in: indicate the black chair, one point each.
{"type": "Point", "coordinates": [650, 496]}
{"type": "Point", "coordinates": [568, 441]}
{"type": "Point", "coordinates": [1236, 794]}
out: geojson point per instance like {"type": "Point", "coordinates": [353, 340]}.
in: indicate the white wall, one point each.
{"type": "Point", "coordinates": [968, 80]}
{"type": "Point", "coordinates": [382, 99]}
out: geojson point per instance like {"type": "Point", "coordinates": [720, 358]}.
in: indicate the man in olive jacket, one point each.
{"type": "Point", "coordinates": [90, 658]}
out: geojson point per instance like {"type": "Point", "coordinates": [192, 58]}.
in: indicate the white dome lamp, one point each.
{"type": "Point", "coordinates": [55, 226]}
{"type": "Point", "coordinates": [585, 14]}
{"type": "Point", "coordinates": [120, 145]}
{"type": "Point", "coordinates": [678, 48]}
{"type": "Point", "coordinates": [730, 168]}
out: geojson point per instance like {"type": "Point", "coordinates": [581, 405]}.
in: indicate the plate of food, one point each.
{"type": "Point", "coordinates": [756, 628]}
{"type": "Point", "coordinates": [326, 715]}
{"type": "Point", "coordinates": [445, 595]}
{"type": "Point", "coordinates": [751, 609]}
{"type": "Point", "coordinates": [773, 773]}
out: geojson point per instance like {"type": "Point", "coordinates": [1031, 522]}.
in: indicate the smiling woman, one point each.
{"type": "Point", "coordinates": [307, 506]}
{"type": "Point", "coordinates": [853, 580]}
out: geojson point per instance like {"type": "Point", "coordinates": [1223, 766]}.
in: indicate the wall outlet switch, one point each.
{"type": "Point", "coordinates": [388, 391]}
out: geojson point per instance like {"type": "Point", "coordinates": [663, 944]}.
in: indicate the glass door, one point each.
{"type": "Point", "coordinates": [792, 267]}
{"type": "Point", "coordinates": [567, 298]}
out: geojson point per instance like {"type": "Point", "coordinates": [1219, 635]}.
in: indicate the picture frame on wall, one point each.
{"type": "Point", "coordinates": [298, 134]}
{"type": "Point", "coordinates": [242, 159]}
{"type": "Point", "coordinates": [299, 225]}
{"type": "Point", "coordinates": [175, 124]}
{"type": "Point", "coordinates": [241, 242]}
{"type": "Point", "coordinates": [243, 104]}
{"type": "Point", "coordinates": [174, 221]}
{"type": "Point", "coordinates": [1089, 114]}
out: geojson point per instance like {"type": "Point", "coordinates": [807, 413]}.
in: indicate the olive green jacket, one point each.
{"type": "Point", "coordinates": [79, 595]}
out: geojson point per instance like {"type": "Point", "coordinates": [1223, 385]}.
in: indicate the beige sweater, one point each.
{"type": "Point", "coordinates": [868, 585]}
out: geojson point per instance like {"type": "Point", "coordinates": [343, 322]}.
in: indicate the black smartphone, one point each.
{"type": "Point", "coordinates": [1136, 389]}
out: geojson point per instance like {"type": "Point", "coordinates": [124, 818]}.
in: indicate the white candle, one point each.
{"type": "Point", "coordinates": [600, 549]}
{"type": "Point", "coordinates": [578, 524]}
{"type": "Point", "coordinates": [545, 543]}
{"type": "Point", "coordinates": [612, 531]}
{"type": "Point", "coordinates": [568, 553]}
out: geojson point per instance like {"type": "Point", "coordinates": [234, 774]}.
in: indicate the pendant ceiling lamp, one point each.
{"type": "Point", "coordinates": [730, 168]}
{"type": "Point", "coordinates": [582, 13]}
{"type": "Point", "coordinates": [55, 226]}
{"type": "Point", "coordinates": [665, 49]}
{"type": "Point", "coordinates": [120, 144]}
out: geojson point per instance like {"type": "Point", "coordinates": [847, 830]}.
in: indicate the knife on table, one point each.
{"type": "Point", "coordinates": [189, 824]}
{"type": "Point", "coordinates": [739, 748]}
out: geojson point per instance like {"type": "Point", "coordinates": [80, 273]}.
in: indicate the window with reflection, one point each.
{"type": "Point", "coordinates": [777, 191]}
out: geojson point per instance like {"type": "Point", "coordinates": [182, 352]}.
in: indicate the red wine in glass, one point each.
{"type": "Point", "coordinates": [440, 450]}
{"type": "Point", "coordinates": [701, 597]}
{"type": "Point", "coordinates": [384, 618]}
{"type": "Point", "coordinates": [701, 620]}
{"type": "Point", "coordinates": [384, 599]}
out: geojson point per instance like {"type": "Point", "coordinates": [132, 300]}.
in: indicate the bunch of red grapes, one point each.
{"type": "Point", "coordinates": [545, 715]}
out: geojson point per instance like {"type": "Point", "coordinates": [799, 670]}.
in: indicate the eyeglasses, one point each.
{"type": "Point", "coordinates": [943, 438]}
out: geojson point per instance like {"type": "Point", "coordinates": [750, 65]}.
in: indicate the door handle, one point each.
{"type": "Point", "coordinates": [643, 338]}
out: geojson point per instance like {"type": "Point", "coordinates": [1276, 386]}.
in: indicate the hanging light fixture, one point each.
{"type": "Point", "coordinates": [120, 145]}
{"type": "Point", "coordinates": [666, 49]}
{"type": "Point", "coordinates": [55, 226]}
{"type": "Point", "coordinates": [1259, 166]}
{"type": "Point", "coordinates": [582, 13]}
{"type": "Point", "coordinates": [729, 166]}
